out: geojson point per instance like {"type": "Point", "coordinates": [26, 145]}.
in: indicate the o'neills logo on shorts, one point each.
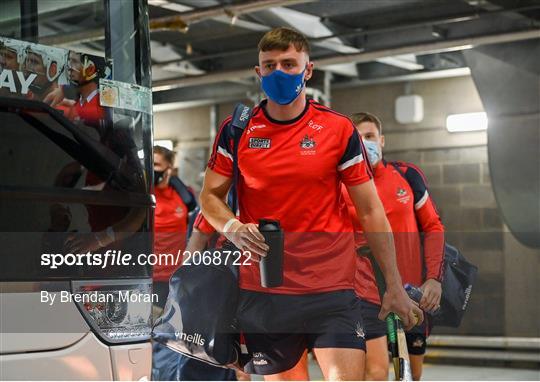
{"type": "Point", "coordinates": [467, 296]}
{"type": "Point", "coordinates": [259, 143]}
{"type": "Point", "coordinates": [258, 359]}
{"type": "Point", "coordinates": [193, 338]}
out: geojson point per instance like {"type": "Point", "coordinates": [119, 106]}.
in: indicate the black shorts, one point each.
{"type": "Point", "coordinates": [375, 328]}
{"type": "Point", "coordinates": [278, 328]}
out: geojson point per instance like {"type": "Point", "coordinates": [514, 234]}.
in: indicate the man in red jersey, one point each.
{"type": "Point", "coordinates": [292, 158]}
{"type": "Point", "coordinates": [170, 220]}
{"type": "Point", "coordinates": [84, 72]}
{"type": "Point", "coordinates": [410, 210]}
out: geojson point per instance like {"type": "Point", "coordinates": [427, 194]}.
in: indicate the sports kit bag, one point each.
{"type": "Point", "coordinates": [199, 316]}
{"type": "Point", "coordinates": [458, 277]}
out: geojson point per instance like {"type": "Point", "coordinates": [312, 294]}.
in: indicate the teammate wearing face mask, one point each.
{"type": "Point", "coordinates": [170, 219]}
{"type": "Point", "coordinates": [403, 191]}
{"type": "Point", "coordinates": [292, 157]}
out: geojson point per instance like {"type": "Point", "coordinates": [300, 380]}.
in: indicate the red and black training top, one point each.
{"type": "Point", "coordinates": [410, 211]}
{"type": "Point", "coordinates": [292, 171]}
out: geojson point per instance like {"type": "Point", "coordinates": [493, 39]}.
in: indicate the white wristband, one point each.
{"type": "Point", "coordinates": [229, 224]}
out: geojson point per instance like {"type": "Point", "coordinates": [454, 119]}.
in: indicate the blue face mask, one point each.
{"type": "Point", "coordinates": [283, 88]}
{"type": "Point", "coordinates": [373, 152]}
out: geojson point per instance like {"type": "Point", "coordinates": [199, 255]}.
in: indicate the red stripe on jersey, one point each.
{"type": "Point", "coordinates": [203, 225]}
{"type": "Point", "coordinates": [212, 159]}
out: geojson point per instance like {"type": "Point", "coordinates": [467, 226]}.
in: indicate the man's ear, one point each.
{"type": "Point", "coordinates": [382, 140]}
{"type": "Point", "coordinates": [52, 69]}
{"type": "Point", "coordinates": [309, 70]}
{"type": "Point", "coordinates": [258, 71]}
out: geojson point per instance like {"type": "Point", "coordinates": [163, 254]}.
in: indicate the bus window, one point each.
{"type": "Point", "coordinates": [73, 162]}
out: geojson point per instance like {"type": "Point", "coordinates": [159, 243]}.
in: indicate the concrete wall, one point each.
{"type": "Point", "coordinates": [456, 166]}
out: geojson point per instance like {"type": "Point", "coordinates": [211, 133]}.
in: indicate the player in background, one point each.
{"type": "Point", "coordinates": [419, 241]}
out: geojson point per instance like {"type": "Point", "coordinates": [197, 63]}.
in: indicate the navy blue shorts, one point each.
{"type": "Point", "coordinates": [375, 328]}
{"type": "Point", "coordinates": [278, 328]}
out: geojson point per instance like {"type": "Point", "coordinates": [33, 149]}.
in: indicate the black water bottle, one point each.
{"type": "Point", "coordinates": [271, 266]}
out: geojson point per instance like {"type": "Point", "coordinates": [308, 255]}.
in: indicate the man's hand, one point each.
{"type": "Point", "coordinates": [431, 295]}
{"type": "Point", "coordinates": [396, 300]}
{"type": "Point", "coordinates": [246, 237]}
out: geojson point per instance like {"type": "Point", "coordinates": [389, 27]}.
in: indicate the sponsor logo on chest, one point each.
{"type": "Point", "coordinates": [315, 126]}
{"type": "Point", "coordinates": [259, 143]}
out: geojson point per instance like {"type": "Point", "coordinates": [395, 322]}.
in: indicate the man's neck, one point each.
{"type": "Point", "coordinates": [86, 89]}
{"type": "Point", "coordinates": [287, 112]}
{"type": "Point", "coordinates": [377, 166]}
{"type": "Point", "coordinates": [162, 185]}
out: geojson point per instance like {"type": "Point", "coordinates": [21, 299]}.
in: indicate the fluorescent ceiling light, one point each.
{"type": "Point", "coordinates": [167, 143]}
{"type": "Point", "coordinates": [466, 122]}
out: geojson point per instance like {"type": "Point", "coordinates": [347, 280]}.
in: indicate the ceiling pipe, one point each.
{"type": "Point", "coordinates": [232, 10]}
{"type": "Point", "coordinates": [429, 47]}
{"type": "Point", "coordinates": [180, 21]}
{"type": "Point", "coordinates": [363, 32]}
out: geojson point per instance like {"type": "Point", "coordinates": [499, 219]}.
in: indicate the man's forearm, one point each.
{"type": "Point", "coordinates": [381, 241]}
{"type": "Point", "coordinates": [197, 241]}
{"type": "Point", "coordinates": [215, 210]}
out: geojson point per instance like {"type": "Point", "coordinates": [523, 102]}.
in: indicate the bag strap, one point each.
{"type": "Point", "coordinates": [185, 194]}
{"type": "Point", "coordinates": [394, 165]}
{"type": "Point", "coordinates": [240, 120]}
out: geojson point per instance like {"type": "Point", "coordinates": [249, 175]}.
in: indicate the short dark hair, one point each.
{"type": "Point", "coordinates": [364, 116]}
{"type": "Point", "coordinates": [281, 38]}
{"type": "Point", "coordinates": [169, 155]}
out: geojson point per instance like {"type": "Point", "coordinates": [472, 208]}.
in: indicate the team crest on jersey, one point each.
{"type": "Point", "coordinates": [307, 142]}
{"type": "Point", "coordinates": [307, 145]}
{"type": "Point", "coordinates": [259, 143]}
{"type": "Point", "coordinates": [402, 195]}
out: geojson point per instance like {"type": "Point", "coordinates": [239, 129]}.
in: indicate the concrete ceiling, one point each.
{"type": "Point", "coordinates": [200, 45]}
{"type": "Point", "coordinates": [357, 41]}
